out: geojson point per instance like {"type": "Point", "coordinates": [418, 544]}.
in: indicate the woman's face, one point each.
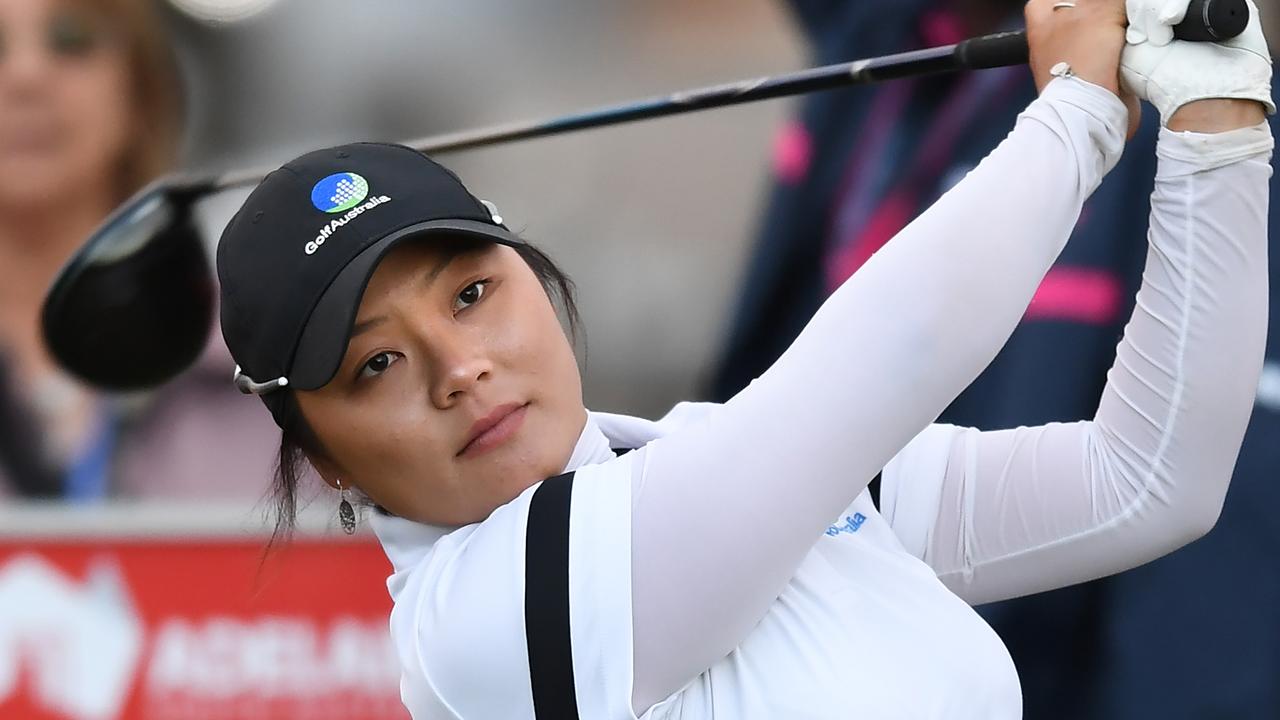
{"type": "Point", "coordinates": [458, 390]}
{"type": "Point", "coordinates": [64, 102]}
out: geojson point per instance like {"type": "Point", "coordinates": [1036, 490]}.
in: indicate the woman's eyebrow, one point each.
{"type": "Point", "coordinates": [370, 323]}
{"type": "Point", "coordinates": [366, 325]}
{"type": "Point", "coordinates": [439, 268]}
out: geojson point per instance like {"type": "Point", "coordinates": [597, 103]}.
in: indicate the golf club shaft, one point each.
{"type": "Point", "coordinates": [1206, 20]}
{"type": "Point", "coordinates": [988, 51]}
{"type": "Point", "coordinates": [983, 52]}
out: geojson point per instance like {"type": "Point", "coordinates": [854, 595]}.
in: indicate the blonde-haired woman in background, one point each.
{"type": "Point", "coordinates": [91, 108]}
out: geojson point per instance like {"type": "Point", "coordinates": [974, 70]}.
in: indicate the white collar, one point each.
{"type": "Point", "coordinates": [407, 542]}
{"type": "Point", "coordinates": [592, 447]}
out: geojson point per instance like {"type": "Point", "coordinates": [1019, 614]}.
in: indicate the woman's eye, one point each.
{"type": "Point", "coordinates": [72, 36]}
{"type": "Point", "coordinates": [378, 364]}
{"type": "Point", "coordinates": [470, 295]}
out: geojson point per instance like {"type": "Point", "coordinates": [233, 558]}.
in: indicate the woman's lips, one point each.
{"type": "Point", "coordinates": [494, 429]}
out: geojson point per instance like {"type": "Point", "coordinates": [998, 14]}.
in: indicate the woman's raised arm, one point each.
{"type": "Point", "coordinates": [724, 512]}
{"type": "Point", "coordinates": [1026, 510]}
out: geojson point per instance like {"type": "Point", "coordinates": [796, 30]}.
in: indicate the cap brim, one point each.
{"type": "Point", "coordinates": [328, 329]}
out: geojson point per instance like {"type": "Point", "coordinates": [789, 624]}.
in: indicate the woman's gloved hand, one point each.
{"type": "Point", "coordinates": [1170, 73]}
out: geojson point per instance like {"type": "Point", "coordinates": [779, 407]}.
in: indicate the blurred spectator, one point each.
{"type": "Point", "coordinates": [91, 108]}
{"type": "Point", "coordinates": [1192, 635]}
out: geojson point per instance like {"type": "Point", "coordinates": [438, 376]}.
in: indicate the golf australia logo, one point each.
{"type": "Point", "coordinates": [339, 192]}
{"type": "Point", "coordinates": [343, 192]}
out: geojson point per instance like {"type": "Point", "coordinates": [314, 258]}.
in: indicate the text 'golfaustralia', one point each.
{"type": "Point", "coordinates": [338, 192]}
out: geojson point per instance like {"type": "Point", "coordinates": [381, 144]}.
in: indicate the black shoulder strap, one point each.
{"type": "Point", "coordinates": [546, 601]}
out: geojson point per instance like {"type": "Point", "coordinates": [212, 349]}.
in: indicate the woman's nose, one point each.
{"type": "Point", "coordinates": [460, 364]}
{"type": "Point", "coordinates": [24, 63]}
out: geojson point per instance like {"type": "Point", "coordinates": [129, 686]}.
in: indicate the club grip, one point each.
{"type": "Point", "coordinates": [992, 51]}
{"type": "Point", "coordinates": [1206, 21]}
{"type": "Point", "coordinates": [1213, 20]}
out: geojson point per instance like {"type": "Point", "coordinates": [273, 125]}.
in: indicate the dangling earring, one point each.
{"type": "Point", "coordinates": [346, 513]}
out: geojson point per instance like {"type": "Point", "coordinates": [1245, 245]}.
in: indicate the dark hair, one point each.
{"type": "Point", "coordinates": [298, 440]}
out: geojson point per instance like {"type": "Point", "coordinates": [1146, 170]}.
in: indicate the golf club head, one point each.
{"type": "Point", "coordinates": [134, 306]}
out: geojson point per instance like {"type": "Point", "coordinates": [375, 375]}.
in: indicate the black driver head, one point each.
{"type": "Point", "coordinates": [134, 306]}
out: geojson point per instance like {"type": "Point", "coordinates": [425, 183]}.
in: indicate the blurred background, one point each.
{"type": "Point", "coordinates": [133, 582]}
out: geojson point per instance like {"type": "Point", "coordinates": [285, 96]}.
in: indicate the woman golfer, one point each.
{"type": "Point", "coordinates": [726, 561]}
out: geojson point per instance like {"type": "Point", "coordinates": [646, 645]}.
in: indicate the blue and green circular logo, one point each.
{"type": "Point", "coordinates": [339, 192]}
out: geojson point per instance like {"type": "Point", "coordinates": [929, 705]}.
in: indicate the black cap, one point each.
{"type": "Point", "coordinates": [294, 261]}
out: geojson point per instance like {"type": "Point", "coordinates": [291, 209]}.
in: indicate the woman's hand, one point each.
{"type": "Point", "coordinates": [1198, 86]}
{"type": "Point", "coordinates": [1088, 35]}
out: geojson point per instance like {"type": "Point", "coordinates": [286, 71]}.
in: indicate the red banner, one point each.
{"type": "Point", "coordinates": [164, 629]}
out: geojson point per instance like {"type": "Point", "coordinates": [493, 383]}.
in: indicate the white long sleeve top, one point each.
{"type": "Point", "coordinates": [735, 567]}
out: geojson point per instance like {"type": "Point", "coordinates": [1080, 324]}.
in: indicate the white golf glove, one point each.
{"type": "Point", "coordinates": [1170, 73]}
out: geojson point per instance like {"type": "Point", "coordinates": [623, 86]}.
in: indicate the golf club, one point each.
{"type": "Point", "coordinates": [134, 306]}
